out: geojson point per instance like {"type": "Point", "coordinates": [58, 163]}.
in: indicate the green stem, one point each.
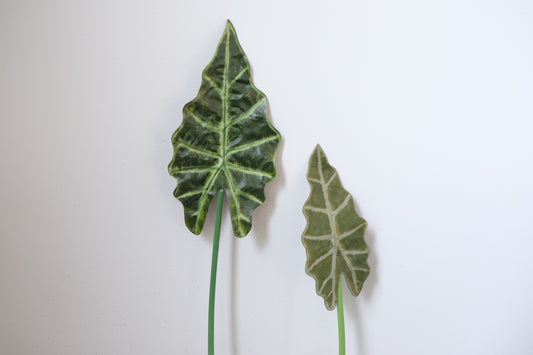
{"type": "Point", "coordinates": [214, 262]}
{"type": "Point", "coordinates": [340, 319]}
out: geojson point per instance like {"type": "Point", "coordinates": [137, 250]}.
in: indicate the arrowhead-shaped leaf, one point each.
{"type": "Point", "coordinates": [333, 237]}
{"type": "Point", "coordinates": [225, 141]}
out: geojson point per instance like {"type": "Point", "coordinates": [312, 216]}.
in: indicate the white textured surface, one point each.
{"type": "Point", "coordinates": [424, 107]}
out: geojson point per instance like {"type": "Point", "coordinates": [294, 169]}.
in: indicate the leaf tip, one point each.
{"type": "Point", "coordinates": [318, 156]}
{"type": "Point", "coordinates": [229, 25]}
{"type": "Point", "coordinates": [318, 151]}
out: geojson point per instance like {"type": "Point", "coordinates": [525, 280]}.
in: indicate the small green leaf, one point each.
{"type": "Point", "coordinates": [334, 235]}
{"type": "Point", "coordinates": [225, 141]}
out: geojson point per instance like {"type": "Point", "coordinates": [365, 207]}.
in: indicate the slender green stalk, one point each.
{"type": "Point", "coordinates": [340, 319]}
{"type": "Point", "coordinates": [214, 262]}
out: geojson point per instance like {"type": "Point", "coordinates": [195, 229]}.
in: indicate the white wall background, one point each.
{"type": "Point", "coordinates": [424, 107]}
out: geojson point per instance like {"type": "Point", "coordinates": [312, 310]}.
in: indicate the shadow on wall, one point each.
{"type": "Point", "coordinates": [353, 304]}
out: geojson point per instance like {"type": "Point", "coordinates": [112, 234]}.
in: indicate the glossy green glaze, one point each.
{"type": "Point", "coordinates": [334, 235]}
{"type": "Point", "coordinates": [225, 141]}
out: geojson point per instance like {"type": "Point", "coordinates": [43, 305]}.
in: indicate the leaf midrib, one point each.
{"type": "Point", "coordinates": [336, 238]}
{"type": "Point", "coordinates": [332, 226]}
{"type": "Point", "coordinates": [225, 122]}
{"type": "Point", "coordinates": [222, 130]}
{"type": "Point", "coordinates": [223, 165]}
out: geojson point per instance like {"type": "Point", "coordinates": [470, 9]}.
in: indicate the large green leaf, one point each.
{"type": "Point", "coordinates": [333, 237]}
{"type": "Point", "coordinates": [225, 141]}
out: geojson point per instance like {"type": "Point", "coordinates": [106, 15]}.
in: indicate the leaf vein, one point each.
{"type": "Point", "coordinates": [199, 151]}
{"type": "Point", "coordinates": [356, 252]}
{"type": "Point", "coordinates": [331, 178]}
{"type": "Point", "coordinates": [320, 259]}
{"type": "Point", "coordinates": [246, 170]}
{"type": "Point", "coordinates": [254, 144]}
{"type": "Point", "coordinates": [316, 209]}
{"type": "Point", "coordinates": [176, 170]}
{"type": "Point", "coordinates": [238, 76]}
{"type": "Point", "coordinates": [246, 114]}
{"type": "Point", "coordinates": [190, 193]}
{"type": "Point", "coordinates": [232, 187]}
{"type": "Point", "coordinates": [314, 180]}
{"type": "Point", "coordinates": [351, 231]}
{"type": "Point", "coordinates": [205, 193]}
{"type": "Point", "coordinates": [214, 85]}
{"type": "Point", "coordinates": [324, 283]}
{"type": "Point", "coordinates": [249, 197]}
{"type": "Point", "coordinates": [342, 205]}
{"type": "Point", "coordinates": [318, 237]}
{"type": "Point", "coordinates": [204, 123]}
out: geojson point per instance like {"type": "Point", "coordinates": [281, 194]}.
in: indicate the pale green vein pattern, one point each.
{"type": "Point", "coordinates": [225, 141]}
{"type": "Point", "coordinates": [334, 234]}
